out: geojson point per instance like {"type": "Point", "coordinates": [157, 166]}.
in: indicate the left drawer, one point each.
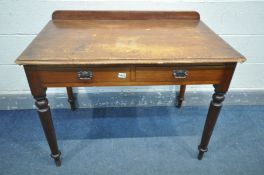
{"type": "Point", "coordinates": [84, 75]}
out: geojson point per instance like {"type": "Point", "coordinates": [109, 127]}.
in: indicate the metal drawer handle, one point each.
{"type": "Point", "coordinates": [180, 73]}
{"type": "Point", "coordinates": [85, 75]}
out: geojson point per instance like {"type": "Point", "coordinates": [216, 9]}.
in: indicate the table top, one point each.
{"type": "Point", "coordinates": [127, 40]}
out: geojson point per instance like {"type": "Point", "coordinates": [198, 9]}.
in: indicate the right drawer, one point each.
{"type": "Point", "coordinates": [188, 74]}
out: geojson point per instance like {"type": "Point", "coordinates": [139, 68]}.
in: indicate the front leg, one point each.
{"type": "Point", "coordinates": [39, 93]}
{"type": "Point", "coordinates": [213, 113]}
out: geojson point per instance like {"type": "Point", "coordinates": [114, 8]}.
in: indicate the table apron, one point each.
{"type": "Point", "coordinates": [130, 75]}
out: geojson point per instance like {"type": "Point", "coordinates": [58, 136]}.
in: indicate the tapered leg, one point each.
{"type": "Point", "coordinates": [213, 113]}
{"type": "Point", "coordinates": [39, 93]}
{"type": "Point", "coordinates": [47, 125]}
{"type": "Point", "coordinates": [180, 97]}
{"type": "Point", "coordinates": [71, 98]}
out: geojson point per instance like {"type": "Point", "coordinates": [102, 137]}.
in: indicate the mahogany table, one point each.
{"type": "Point", "coordinates": [124, 48]}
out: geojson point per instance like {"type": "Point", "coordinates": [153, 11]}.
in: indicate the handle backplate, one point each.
{"type": "Point", "coordinates": [180, 73]}
{"type": "Point", "coordinates": [85, 75]}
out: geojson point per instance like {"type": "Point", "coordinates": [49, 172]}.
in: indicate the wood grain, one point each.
{"type": "Point", "coordinates": [165, 74]}
{"type": "Point", "coordinates": [124, 15]}
{"type": "Point", "coordinates": [162, 41]}
{"type": "Point", "coordinates": [52, 76]}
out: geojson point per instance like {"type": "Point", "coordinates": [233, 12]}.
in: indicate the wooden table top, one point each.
{"type": "Point", "coordinates": [72, 41]}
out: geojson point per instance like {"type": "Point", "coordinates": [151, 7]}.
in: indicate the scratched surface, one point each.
{"type": "Point", "coordinates": [127, 42]}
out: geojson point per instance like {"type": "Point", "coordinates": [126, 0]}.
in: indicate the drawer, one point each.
{"type": "Point", "coordinates": [85, 75]}
{"type": "Point", "coordinates": [189, 74]}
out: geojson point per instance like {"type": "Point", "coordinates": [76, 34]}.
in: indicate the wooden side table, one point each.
{"type": "Point", "coordinates": [126, 48]}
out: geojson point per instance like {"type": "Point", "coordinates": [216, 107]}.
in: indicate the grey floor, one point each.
{"type": "Point", "coordinates": [134, 141]}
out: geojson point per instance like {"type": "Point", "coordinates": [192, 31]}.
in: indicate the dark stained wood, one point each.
{"type": "Point", "coordinates": [214, 110]}
{"type": "Point", "coordinates": [39, 93]}
{"type": "Point", "coordinates": [196, 74]}
{"type": "Point", "coordinates": [142, 75]}
{"type": "Point", "coordinates": [100, 75]}
{"type": "Point", "coordinates": [213, 113]}
{"type": "Point", "coordinates": [180, 97]}
{"type": "Point", "coordinates": [124, 15]}
{"type": "Point", "coordinates": [124, 49]}
{"type": "Point", "coordinates": [226, 79]}
{"type": "Point", "coordinates": [71, 98]}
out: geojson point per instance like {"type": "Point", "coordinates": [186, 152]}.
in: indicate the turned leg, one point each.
{"type": "Point", "coordinates": [213, 113]}
{"type": "Point", "coordinates": [180, 97]}
{"type": "Point", "coordinates": [47, 125]}
{"type": "Point", "coordinates": [71, 98]}
{"type": "Point", "coordinates": [39, 93]}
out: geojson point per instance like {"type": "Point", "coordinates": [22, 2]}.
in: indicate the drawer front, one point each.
{"type": "Point", "coordinates": [192, 75]}
{"type": "Point", "coordinates": [85, 75]}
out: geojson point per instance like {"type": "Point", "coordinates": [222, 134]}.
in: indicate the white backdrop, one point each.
{"type": "Point", "coordinates": [240, 23]}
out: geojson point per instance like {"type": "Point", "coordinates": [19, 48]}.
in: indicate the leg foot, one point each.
{"type": "Point", "coordinates": [201, 152]}
{"type": "Point", "coordinates": [57, 159]}
{"type": "Point", "coordinates": [71, 102]}
{"type": "Point", "coordinates": [71, 98]}
{"type": "Point", "coordinates": [180, 97]}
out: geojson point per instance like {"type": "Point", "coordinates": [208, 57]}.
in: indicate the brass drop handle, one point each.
{"type": "Point", "coordinates": [85, 75]}
{"type": "Point", "coordinates": [180, 73]}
